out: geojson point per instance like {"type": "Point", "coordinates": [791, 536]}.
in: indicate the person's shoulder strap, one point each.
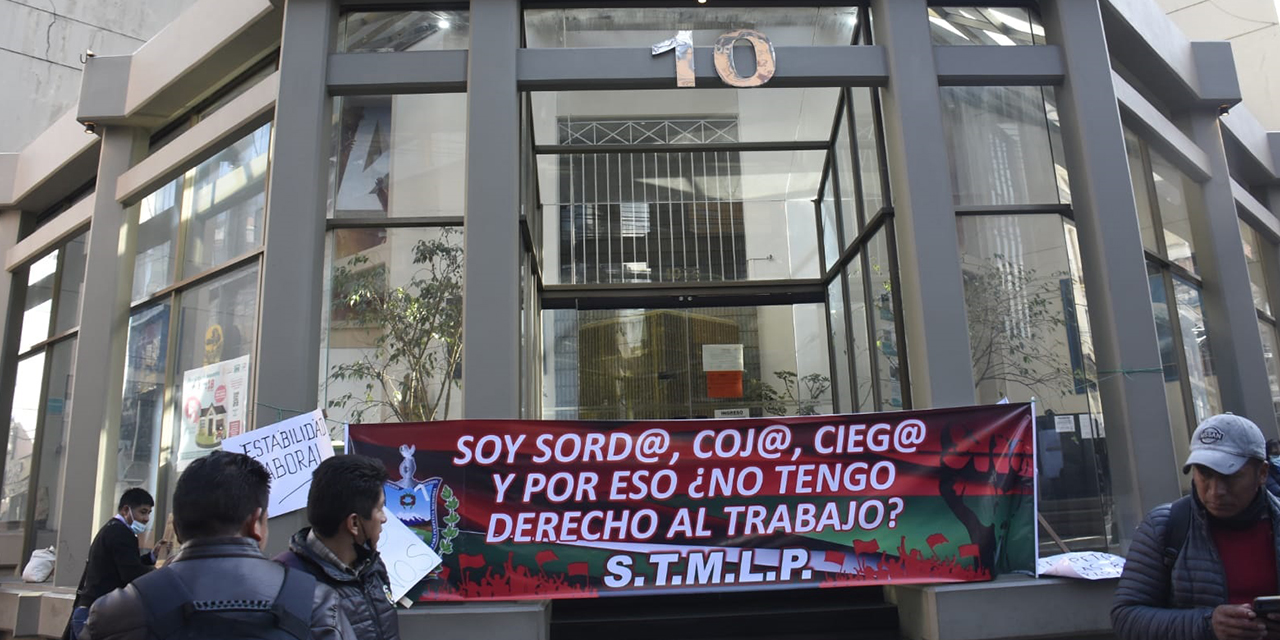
{"type": "Point", "coordinates": [166, 600]}
{"type": "Point", "coordinates": [1176, 529]}
{"type": "Point", "coordinates": [293, 604]}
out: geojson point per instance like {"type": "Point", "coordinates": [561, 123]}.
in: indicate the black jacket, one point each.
{"type": "Point", "coordinates": [215, 569]}
{"type": "Point", "coordinates": [114, 561]}
{"type": "Point", "coordinates": [365, 591]}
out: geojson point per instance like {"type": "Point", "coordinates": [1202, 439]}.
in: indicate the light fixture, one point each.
{"type": "Point", "coordinates": [702, 1]}
{"type": "Point", "coordinates": [444, 24]}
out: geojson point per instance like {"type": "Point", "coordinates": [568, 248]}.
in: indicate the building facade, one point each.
{"type": "Point", "coordinates": [413, 211]}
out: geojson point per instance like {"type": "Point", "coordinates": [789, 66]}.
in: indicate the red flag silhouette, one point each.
{"type": "Point", "coordinates": [834, 557]}
{"type": "Point", "coordinates": [544, 557]}
{"type": "Point", "coordinates": [936, 539]}
{"type": "Point", "coordinates": [969, 551]}
{"type": "Point", "coordinates": [467, 561]}
{"type": "Point", "coordinates": [579, 569]}
{"type": "Point", "coordinates": [866, 546]}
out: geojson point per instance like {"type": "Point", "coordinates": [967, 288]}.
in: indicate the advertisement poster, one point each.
{"type": "Point", "coordinates": [214, 407]}
{"type": "Point", "coordinates": [565, 509]}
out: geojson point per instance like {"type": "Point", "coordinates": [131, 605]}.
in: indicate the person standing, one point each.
{"type": "Point", "coordinates": [1196, 565]}
{"type": "Point", "coordinates": [340, 548]}
{"type": "Point", "coordinates": [114, 557]}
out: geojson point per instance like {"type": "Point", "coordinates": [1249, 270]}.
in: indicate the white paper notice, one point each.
{"type": "Point", "coordinates": [1084, 565]}
{"type": "Point", "coordinates": [1064, 424]}
{"type": "Point", "coordinates": [722, 357]}
{"type": "Point", "coordinates": [407, 557]}
{"type": "Point", "coordinates": [291, 451]}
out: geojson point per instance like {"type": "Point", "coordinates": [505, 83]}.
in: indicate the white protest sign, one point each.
{"type": "Point", "coordinates": [291, 451]}
{"type": "Point", "coordinates": [407, 557]}
{"type": "Point", "coordinates": [1086, 565]}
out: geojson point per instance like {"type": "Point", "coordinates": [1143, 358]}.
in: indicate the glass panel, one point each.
{"type": "Point", "coordinates": [142, 409]}
{"type": "Point", "coordinates": [862, 346]}
{"type": "Point", "coordinates": [39, 301]}
{"type": "Point", "coordinates": [384, 31]}
{"type": "Point", "coordinates": [1255, 260]}
{"type": "Point", "coordinates": [57, 409]}
{"type": "Point", "coordinates": [1024, 298]}
{"type": "Point", "coordinates": [1000, 145]}
{"type": "Point", "coordinates": [229, 199]}
{"type": "Point", "coordinates": [848, 187]}
{"type": "Point", "coordinates": [400, 156]}
{"type": "Point", "coordinates": [394, 328]}
{"type": "Point", "coordinates": [681, 217]}
{"type": "Point", "coordinates": [1141, 196]}
{"type": "Point", "coordinates": [22, 437]}
{"type": "Point", "coordinates": [157, 237]}
{"type": "Point", "coordinates": [1178, 198]}
{"type": "Point", "coordinates": [72, 283]}
{"type": "Point", "coordinates": [628, 364]}
{"type": "Point", "coordinates": [1269, 344]}
{"type": "Point", "coordinates": [1174, 398]}
{"type": "Point", "coordinates": [884, 320]}
{"type": "Point", "coordinates": [642, 27]}
{"type": "Point", "coordinates": [1195, 345]}
{"type": "Point", "coordinates": [681, 116]}
{"type": "Point", "coordinates": [864, 120]}
{"type": "Point", "coordinates": [217, 325]}
{"type": "Point", "coordinates": [840, 346]}
{"type": "Point", "coordinates": [1004, 26]}
{"type": "Point", "coordinates": [830, 241]}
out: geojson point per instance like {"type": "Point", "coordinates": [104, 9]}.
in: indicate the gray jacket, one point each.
{"type": "Point", "coordinates": [1154, 602]}
{"type": "Point", "coordinates": [215, 569]}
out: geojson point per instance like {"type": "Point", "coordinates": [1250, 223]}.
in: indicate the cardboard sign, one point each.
{"type": "Point", "coordinates": [165, 552]}
{"type": "Point", "coordinates": [291, 451]}
{"type": "Point", "coordinates": [407, 557]}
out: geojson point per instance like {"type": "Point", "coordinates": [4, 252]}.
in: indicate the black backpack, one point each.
{"type": "Point", "coordinates": [173, 614]}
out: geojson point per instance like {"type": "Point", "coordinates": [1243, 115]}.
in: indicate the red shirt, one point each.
{"type": "Point", "coordinates": [1249, 558]}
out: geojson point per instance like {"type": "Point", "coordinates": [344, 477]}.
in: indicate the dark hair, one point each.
{"type": "Point", "coordinates": [341, 486]}
{"type": "Point", "coordinates": [217, 494]}
{"type": "Point", "coordinates": [1273, 447]}
{"type": "Point", "coordinates": [135, 498]}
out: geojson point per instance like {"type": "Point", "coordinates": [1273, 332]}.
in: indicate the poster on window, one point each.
{"type": "Point", "coordinates": [583, 509]}
{"type": "Point", "coordinates": [214, 400]}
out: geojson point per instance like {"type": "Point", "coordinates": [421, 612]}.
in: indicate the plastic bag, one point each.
{"type": "Point", "coordinates": [40, 567]}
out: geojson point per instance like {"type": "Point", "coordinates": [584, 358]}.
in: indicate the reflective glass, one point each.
{"type": "Point", "coordinates": [388, 31]}
{"type": "Point", "coordinates": [53, 442]}
{"type": "Point", "coordinates": [39, 301]}
{"type": "Point", "coordinates": [629, 364]}
{"type": "Point", "coordinates": [22, 440]}
{"type": "Point", "coordinates": [847, 182]}
{"type": "Point", "coordinates": [640, 27]}
{"type": "Point", "coordinates": [1178, 197]}
{"type": "Point", "coordinates": [1141, 196]}
{"type": "Point", "coordinates": [1255, 259]}
{"type": "Point", "coordinates": [393, 350]}
{"type": "Point", "coordinates": [158, 214]}
{"type": "Point", "coordinates": [863, 346]}
{"type": "Point", "coordinates": [1001, 147]}
{"type": "Point", "coordinates": [830, 225]}
{"type": "Point", "coordinates": [836, 309]}
{"type": "Point", "coordinates": [864, 120]}
{"type": "Point", "coordinates": [142, 409]}
{"type": "Point", "coordinates": [880, 296]}
{"type": "Point", "coordinates": [227, 204]}
{"type": "Point", "coordinates": [400, 156]}
{"type": "Point", "coordinates": [1269, 344]}
{"type": "Point", "coordinates": [1003, 26]}
{"type": "Point", "coordinates": [1195, 345]}
{"type": "Point", "coordinates": [1166, 336]}
{"type": "Point", "coordinates": [71, 284]}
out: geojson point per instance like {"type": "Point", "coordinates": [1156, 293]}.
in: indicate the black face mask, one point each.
{"type": "Point", "coordinates": [364, 549]}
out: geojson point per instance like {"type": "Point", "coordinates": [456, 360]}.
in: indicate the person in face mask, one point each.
{"type": "Point", "coordinates": [114, 557]}
{"type": "Point", "coordinates": [340, 548]}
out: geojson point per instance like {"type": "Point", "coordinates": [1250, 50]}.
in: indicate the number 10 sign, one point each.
{"type": "Point", "coordinates": [726, 68]}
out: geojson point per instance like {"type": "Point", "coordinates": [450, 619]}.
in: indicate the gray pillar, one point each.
{"type": "Point", "coordinates": [1228, 300]}
{"type": "Point", "coordinates": [291, 302]}
{"type": "Point", "coordinates": [924, 216]}
{"type": "Point", "coordinates": [491, 291]}
{"type": "Point", "coordinates": [1139, 444]}
{"type": "Point", "coordinates": [104, 322]}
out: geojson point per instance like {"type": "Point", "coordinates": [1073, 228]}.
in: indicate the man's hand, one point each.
{"type": "Point", "coordinates": [1237, 622]}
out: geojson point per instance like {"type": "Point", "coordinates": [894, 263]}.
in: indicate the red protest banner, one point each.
{"type": "Point", "coordinates": [537, 509]}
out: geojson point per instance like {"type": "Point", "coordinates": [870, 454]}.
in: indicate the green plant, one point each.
{"type": "Point", "coordinates": [409, 368]}
{"type": "Point", "coordinates": [778, 403]}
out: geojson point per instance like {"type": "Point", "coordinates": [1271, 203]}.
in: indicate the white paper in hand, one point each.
{"type": "Point", "coordinates": [407, 557]}
{"type": "Point", "coordinates": [291, 451]}
{"type": "Point", "coordinates": [1085, 565]}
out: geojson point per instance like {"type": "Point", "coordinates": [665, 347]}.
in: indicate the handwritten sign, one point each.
{"type": "Point", "coordinates": [407, 557]}
{"type": "Point", "coordinates": [291, 451]}
{"type": "Point", "coordinates": [1085, 565]}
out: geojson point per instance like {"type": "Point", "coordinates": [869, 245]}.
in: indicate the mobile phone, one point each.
{"type": "Point", "coordinates": [1266, 604]}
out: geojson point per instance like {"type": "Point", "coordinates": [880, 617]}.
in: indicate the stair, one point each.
{"type": "Point", "coordinates": [858, 613]}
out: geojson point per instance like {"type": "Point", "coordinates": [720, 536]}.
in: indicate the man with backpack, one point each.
{"type": "Point", "coordinates": [345, 509]}
{"type": "Point", "coordinates": [1196, 565]}
{"type": "Point", "coordinates": [220, 585]}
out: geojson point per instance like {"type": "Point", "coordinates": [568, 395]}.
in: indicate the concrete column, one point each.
{"type": "Point", "coordinates": [924, 216]}
{"type": "Point", "coordinates": [104, 323]}
{"type": "Point", "coordinates": [491, 292]}
{"type": "Point", "coordinates": [291, 300]}
{"type": "Point", "coordinates": [1228, 300]}
{"type": "Point", "coordinates": [1139, 445]}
